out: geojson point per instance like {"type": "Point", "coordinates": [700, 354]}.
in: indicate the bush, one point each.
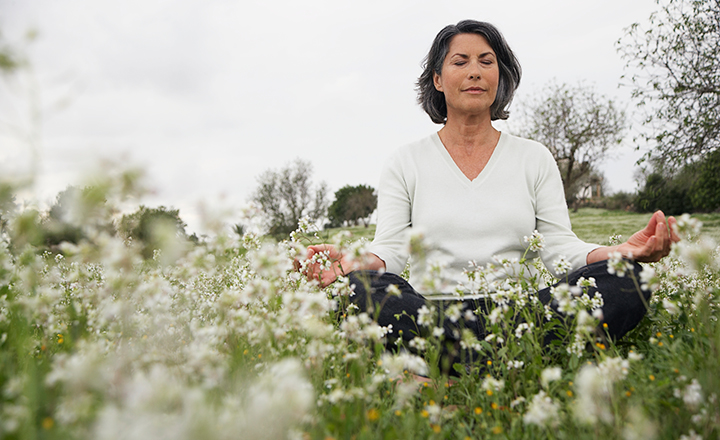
{"type": "Point", "coordinates": [671, 195]}
{"type": "Point", "coordinates": [705, 192]}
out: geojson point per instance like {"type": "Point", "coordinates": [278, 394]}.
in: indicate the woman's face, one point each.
{"type": "Point", "coordinates": [469, 77]}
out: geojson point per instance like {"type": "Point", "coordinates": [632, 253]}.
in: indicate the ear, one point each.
{"type": "Point", "coordinates": [437, 80]}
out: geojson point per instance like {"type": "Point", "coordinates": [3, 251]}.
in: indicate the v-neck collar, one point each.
{"type": "Point", "coordinates": [455, 170]}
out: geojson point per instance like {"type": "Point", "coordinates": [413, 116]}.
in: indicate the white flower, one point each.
{"type": "Point", "coordinates": [396, 364]}
{"type": "Point", "coordinates": [692, 395]}
{"type": "Point", "coordinates": [616, 265]}
{"type": "Point", "coordinates": [638, 426]}
{"type": "Point", "coordinates": [593, 396]}
{"type": "Point", "coordinates": [393, 290]}
{"type": "Point", "coordinates": [542, 410]}
{"type": "Point", "coordinates": [470, 341]}
{"type": "Point", "coordinates": [493, 337]}
{"type": "Point", "coordinates": [425, 315]}
{"type": "Point", "coordinates": [692, 435]}
{"type": "Point", "coordinates": [671, 306]}
{"type": "Point", "coordinates": [562, 265]}
{"type": "Point", "coordinates": [550, 375]}
{"type": "Point", "coordinates": [522, 328]}
{"type": "Point", "coordinates": [687, 227]}
{"type": "Point", "coordinates": [492, 384]}
{"type": "Point", "coordinates": [469, 316]}
{"type": "Point", "coordinates": [586, 282]}
{"type": "Point", "coordinates": [418, 343]}
{"type": "Point", "coordinates": [434, 412]}
{"type": "Point", "coordinates": [536, 241]}
{"type": "Point", "coordinates": [614, 369]}
{"type": "Point", "coordinates": [548, 312]}
{"type": "Point", "coordinates": [632, 356]}
{"type": "Point", "coordinates": [648, 279]}
{"type": "Point", "coordinates": [454, 311]}
{"type": "Point", "coordinates": [496, 313]}
{"type": "Point", "coordinates": [515, 365]}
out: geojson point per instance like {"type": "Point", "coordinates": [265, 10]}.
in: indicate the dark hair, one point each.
{"type": "Point", "coordinates": [433, 101]}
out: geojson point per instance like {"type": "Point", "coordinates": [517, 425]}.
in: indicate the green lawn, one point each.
{"type": "Point", "coordinates": [594, 225]}
{"type": "Point", "coordinates": [597, 225]}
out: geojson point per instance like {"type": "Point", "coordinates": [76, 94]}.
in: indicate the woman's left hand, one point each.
{"type": "Point", "coordinates": [647, 246]}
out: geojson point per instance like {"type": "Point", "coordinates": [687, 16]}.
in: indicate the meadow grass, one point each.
{"type": "Point", "coordinates": [597, 225]}
{"type": "Point", "coordinates": [589, 224]}
{"type": "Point", "coordinates": [226, 339]}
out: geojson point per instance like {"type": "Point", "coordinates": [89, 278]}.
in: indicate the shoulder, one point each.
{"type": "Point", "coordinates": [525, 146]}
{"type": "Point", "coordinates": [411, 155]}
{"type": "Point", "coordinates": [417, 147]}
{"type": "Point", "coordinates": [527, 151]}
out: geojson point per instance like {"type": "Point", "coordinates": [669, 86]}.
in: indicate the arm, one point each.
{"type": "Point", "coordinates": [552, 217]}
{"type": "Point", "coordinates": [647, 246]}
{"type": "Point", "coordinates": [387, 251]}
{"type": "Point", "coordinates": [340, 264]}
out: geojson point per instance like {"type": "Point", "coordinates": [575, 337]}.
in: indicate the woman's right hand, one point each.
{"type": "Point", "coordinates": [316, 270]}
{"type": "Point", "coordinates": [340, 264]}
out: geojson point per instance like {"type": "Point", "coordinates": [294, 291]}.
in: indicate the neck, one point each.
{"type": "Point", "coordinates": [469, 133]}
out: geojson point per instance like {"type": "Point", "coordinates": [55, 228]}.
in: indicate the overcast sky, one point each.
{"type": "Point", "coordinates": [205, 95]}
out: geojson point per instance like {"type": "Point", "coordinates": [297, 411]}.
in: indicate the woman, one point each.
{"type": "Point", "coordinates": [474, 193]}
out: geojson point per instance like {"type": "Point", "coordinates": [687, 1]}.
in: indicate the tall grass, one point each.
{"type": "Point", "coordinates": [226, 339]}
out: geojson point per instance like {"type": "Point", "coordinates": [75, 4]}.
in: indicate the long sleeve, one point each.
{"type": "Point", "coordinates": [394, 217]}
{"type": "Point", "coordinates": [553, 220]}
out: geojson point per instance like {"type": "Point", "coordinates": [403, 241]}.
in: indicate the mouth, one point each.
{"type": "Point", "coordinates": [474, 90]}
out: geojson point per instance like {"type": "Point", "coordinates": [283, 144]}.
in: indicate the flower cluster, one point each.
{"type": "Point", "coordinates": [226, 336]}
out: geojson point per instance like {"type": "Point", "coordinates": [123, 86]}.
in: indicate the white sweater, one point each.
{"type": "Point", "coordinates": [422, 190]}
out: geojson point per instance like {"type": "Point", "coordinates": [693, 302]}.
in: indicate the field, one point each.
{"type": "Point", "coordinates": [598, 225]}
{"type": "Point", "coordinates": [225, 339]}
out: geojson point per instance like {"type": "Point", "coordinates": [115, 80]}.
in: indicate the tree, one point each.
{"type": "Point", "coordinates": [352, 204]}
{"type": "Point", "coordinates": [676, 78]}
{"type": "Point", "coordinates": [288, 195]}
{"type": "Point", "coordinates": [578, 126]}
{"type": "Point", "coordinates": [705, 190]}
{"type": "Point", "coordinates": [8, 59]}
{"type": "Point", "coordinates": [693, 187]}
{"type": "Point", "coordinates": [155, 229]}
{"type": "Point", "coordinates": [62, 222]}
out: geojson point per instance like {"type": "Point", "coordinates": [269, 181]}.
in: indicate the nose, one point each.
{"type": "Point", "coordinates": [474, 72]}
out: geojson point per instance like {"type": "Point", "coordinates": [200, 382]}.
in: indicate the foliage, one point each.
{"type": "Point", "coordinates": [590, 224]}
{"type": "Point", "coordinates": [578, 126]}
{"type": "Point", "coordinates": [287, 195]}
{"type": "Point", "coordinates": [675, 77]}
{"type": "Point", "coordinates": [670, 195]}
{"type": "Point", "coordinates": [695, 187]}
{"type": "Point", "coordinates": [352, 204]}
{"type": "Point", "coordinates": [229, 338]}
{"type": "Point", "coordinates": [64, 220]}
{"type": "Point", "coordinates": [154, 229]}
{"type": "Point", "coordinates": [705, 191]}
{"type": "Point", "coordinates": [8, 59]}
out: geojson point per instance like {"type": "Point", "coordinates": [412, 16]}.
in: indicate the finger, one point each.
{"type": "Point", "coordinates": [310, 252]}
{"type": "Point", "coordinates": [649, 251]}
{"type": "Point", "coordinates": [661, 234]}
{"type": "Point", "coordinates": [652, 223]}
{"type": "Point", "coordinates": [672, 222]}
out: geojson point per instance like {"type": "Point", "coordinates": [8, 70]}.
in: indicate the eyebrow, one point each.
{"type": "Point", "coordinates": [482, 55]}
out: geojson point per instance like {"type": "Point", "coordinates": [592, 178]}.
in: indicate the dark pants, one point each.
{"type": "Point", "coordinates": [622, 310]}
